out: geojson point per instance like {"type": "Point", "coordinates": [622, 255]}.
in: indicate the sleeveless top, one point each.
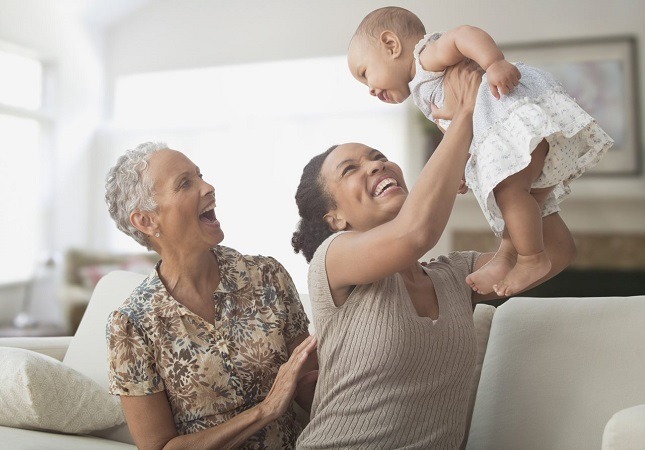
{"type": "Point", "coordinates": [389, 378]}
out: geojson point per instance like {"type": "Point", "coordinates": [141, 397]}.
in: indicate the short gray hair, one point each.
{"type": "Point", "coordinates": [128, 188]}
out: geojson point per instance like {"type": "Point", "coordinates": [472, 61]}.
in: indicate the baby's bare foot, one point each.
{"type": "Point", "coordinates": [527, 270]}
{"type": "Point", "coordinates": [483, 280]}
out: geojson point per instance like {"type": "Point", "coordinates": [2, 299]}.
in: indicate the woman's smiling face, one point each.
{"type": "Point", "coordinates": [185, 214]}
{"type": "Point", "coordinates": [368, 190]}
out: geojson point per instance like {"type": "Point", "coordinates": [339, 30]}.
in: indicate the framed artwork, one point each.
{"type": "Point", "coordinates": [601, 74]}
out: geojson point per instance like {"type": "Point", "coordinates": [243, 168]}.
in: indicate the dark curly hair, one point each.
{"type": "Point", "coordinates": [313, 202]}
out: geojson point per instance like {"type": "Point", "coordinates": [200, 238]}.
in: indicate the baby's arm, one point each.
{"type": "Point", "coordinates": [471, 42]}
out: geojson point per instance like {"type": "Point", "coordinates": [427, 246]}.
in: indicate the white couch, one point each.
{"type": "Point", "coordinates": [560, 373]}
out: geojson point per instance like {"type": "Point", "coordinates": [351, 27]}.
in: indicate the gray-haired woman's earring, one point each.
{"type": "Point", "coordinates": [157, 234]}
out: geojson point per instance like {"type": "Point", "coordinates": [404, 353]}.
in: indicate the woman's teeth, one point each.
{"type": "Point", "coordinates": [383, 185]}
{"type": "Point", "coordinates": [208, 216]}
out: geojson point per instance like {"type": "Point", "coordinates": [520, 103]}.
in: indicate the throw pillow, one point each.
{"type": "Point", "coordinates": [41, 393]}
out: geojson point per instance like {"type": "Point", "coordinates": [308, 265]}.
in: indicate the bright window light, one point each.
{"type": "Point", "coordinates": [20, 81]}
{"type": "Point", "coordinates": [19, 202]}
{"type": "Point", "coordinates": [216, 95]}
{"type": "Point", "coordinates": [251, 129]}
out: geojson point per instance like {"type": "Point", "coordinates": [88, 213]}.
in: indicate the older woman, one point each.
{"type": "Point", "coordinates": [396, 338]}
{"type": "Point", "coordinates": [208, 351]}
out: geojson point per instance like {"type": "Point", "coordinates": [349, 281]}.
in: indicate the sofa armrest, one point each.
{"type": "Point", "coordinates": [625, 430]}
{"type": "Point", "coordinates": [56, 347]}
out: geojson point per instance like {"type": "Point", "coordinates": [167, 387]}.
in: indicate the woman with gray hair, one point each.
{"type": "Point", "coordinates": [210, 350]}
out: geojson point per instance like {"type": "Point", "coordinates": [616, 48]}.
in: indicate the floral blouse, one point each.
{"type": "Point", "coordinates": [210, 372]}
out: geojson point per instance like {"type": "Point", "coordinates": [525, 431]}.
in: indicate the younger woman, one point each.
{"type": "Point", "coordinates": [396, 339]}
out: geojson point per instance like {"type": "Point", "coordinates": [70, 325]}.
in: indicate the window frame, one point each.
{"type": "Point", "coordinates": [45, 118]}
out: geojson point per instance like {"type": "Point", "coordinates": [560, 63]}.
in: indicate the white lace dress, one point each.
{"type": "Point", "coordinates": [506, 131]}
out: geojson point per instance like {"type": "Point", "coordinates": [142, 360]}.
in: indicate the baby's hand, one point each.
{"type": "Point", "coordinates": [463, 187]}
{"type": "Point", "coordinates": [502, 77]}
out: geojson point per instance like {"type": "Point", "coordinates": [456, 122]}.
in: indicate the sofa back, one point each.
{"type": "Point", "coordinates": [556, 370]}
{"type": "Point", "coordinates": [87, 352]}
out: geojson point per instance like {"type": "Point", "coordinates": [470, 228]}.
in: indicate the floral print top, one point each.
{"type": "Point", "coordinates": [210, 371]}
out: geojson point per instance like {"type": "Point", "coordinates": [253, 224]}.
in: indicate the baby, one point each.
{"type": "Point", "coordinates": [530, 139]}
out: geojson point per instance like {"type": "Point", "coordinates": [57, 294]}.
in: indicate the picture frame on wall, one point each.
{"type": "Point", "coordinates": [601, 75]}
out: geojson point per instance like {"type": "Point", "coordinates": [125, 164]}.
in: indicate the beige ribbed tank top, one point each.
{"type": "Point", "coordinates": [389, 378]}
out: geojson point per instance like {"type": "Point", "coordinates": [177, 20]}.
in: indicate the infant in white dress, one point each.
{"type": "Point", "coordinates": [530, 138]}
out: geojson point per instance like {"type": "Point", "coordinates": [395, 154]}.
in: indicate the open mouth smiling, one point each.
{"type": "Point", "coordinates": [384, 185]}
{"type": "Point", "coordinates": [208, 214]}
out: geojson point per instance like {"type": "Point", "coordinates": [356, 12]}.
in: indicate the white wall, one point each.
{"type": "Point", "coordinates": [173, 34]}
{"type": "Point", "coordinates": [169, 35]}
{"type": "Point", "coordinates": [75, 57]}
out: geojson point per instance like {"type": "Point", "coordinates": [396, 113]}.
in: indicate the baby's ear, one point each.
{"type": "Point", "coordinates": [334, 222]}
{"type": "Point", "coordinates": [391, 43]}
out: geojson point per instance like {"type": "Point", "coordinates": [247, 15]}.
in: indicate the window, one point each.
{"type": "Point", "coordinates": [251, 129]}
{"type": "Point", "coordinates": [20, 171]}
{"type": "Point", "coordinates": [21, 81]}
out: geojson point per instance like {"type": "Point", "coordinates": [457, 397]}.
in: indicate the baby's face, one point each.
{"type": "Point", "coordinates": [386, 76]}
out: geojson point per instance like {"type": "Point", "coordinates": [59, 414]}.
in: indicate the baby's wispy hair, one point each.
{"type": "Point", "coordinates": [399, 20]}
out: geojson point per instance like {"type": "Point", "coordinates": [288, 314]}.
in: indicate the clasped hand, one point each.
{"type": "Point", "coordinates": [502, 77]}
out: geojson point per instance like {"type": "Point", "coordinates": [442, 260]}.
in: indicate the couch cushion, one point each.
{"type": "Point", "coordinates": [40, 392]}
{"type": "Point", "coordinates": [483, 318]}
{"type": "Point", "coordinates": [19, 439]}
{"type": "Point", "coordinates": [54, 346]}
{"type": "Point", "coordinates": [625, 430]}
{"type": "Point", "coordinates": [87, 352]}
{"type": "Point", "coordinates": [556, 370]}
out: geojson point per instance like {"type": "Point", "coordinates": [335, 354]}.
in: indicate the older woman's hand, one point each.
{"type": "Point", "coordinates": [284, 387]}
{"type": "Point", "coordinates": [461, 85]}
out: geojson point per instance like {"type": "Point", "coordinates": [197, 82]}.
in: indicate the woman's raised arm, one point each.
{"type": "Point", "coordinates": [364, 257]}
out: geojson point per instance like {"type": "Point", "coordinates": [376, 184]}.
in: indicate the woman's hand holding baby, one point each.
{"type": "Point", "coordinates": [461, 86]}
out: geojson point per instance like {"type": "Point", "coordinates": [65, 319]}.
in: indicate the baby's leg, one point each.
{"type": "Point", "coordinates": [483, 280]}
{"type": "Point", "coordinates": [491, 273]}
{"type": "Point", "coordinates": [523, 219]}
